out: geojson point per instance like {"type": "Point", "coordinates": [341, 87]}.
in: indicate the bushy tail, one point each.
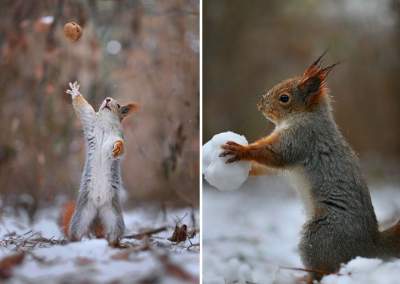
{"type": "Point", "coordinates": [390, 241]}
{"type": "Point", "coordinates": [67, 212]}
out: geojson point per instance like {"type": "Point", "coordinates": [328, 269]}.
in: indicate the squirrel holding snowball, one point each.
{"type": "Point", "coordinates": [98, 206]}
{"type": "Point", "coordinates": [307, 144]}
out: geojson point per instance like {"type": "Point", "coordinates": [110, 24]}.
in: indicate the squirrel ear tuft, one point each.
{"type": "Point", "coordinates": [128, 109]}
{"type": "Point", "coordinates": [314, 77]}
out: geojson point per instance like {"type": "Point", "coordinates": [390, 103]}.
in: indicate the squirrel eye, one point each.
{"type": "Point", "coordinates": [284, 98]}
{"type": "Point", "coordinates": [118, 106]}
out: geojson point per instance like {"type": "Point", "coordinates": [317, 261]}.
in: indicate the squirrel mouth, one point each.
{"type": "Point", "coordinates": [107, 107]}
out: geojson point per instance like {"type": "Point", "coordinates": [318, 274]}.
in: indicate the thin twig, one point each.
{"type": "Point", "coordinates": [148, 233]}
{"type": "Point", "coordinates": [309, 270]}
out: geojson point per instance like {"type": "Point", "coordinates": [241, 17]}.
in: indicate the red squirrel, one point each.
{"type": "Point", "coordinates": [98, 207]}
{"type": "Point", "coordinates": [308, 146]}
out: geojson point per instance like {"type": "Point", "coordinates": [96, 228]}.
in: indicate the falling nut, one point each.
{"type": "Point", "coordinates": [72, 31]}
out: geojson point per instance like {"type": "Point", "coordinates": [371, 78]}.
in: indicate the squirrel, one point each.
{"type": "Point", "coordinates": [308, 146]}
{"type": "Point", "coordinates": [98, 206]}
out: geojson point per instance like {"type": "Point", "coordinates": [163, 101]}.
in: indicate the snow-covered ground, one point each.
{"type": "Point", "coordinates": [251, 236]}
{"type": "Point", "coordinates": [157, 260]}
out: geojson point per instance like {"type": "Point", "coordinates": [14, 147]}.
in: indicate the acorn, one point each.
{"type": "Point", "coordinates": [72, 31]}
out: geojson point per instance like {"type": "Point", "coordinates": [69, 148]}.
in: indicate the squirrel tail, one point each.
{"type": "Point", "coordinates": [390, 241]}
{"type": "Point", "coordinates": [67, 212]}
{"type": "Point", "coordinates": [65, 219]}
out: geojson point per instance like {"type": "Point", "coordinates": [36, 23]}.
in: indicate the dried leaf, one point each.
{"type": "Point", "coordinates": [8, 263]}
{"type": "Point", "coordinates": [176, 271]}
{"type": "Point", "coordinates": [81, 261]}
{"type": "Point", "coordinates": [179, 234]}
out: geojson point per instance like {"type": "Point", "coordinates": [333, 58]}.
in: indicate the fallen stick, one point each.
{"type": "Point", "coordinates": [309, 270]}
{"type": "Point", "coordinates": [147, 233]}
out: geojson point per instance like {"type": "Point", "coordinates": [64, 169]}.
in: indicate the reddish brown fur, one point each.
{"type": "Point", "coordinates": [259, 151]}
{"type": "Point", "coordinates": [258, 169]}
{"type": "Point", "coordinates": [131, 108]}
{"type": "Point", "coordinates": [316, 71]}
{"type": "Point", "coordinates": [118, 148]}
{"type": "Point", "coordinates": [390, 240]}
{"type": "Point", "coordinates": [66, 216]}
{"type": "Point", "coordinates": [268, 140]}
{"type": "Point", "coordinates": [79, 101]}
{"type": "Point", "coordinates": [67, 212]}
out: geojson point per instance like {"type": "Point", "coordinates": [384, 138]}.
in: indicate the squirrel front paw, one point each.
{"type": "Point", "coordinates": [118, 148]}
{"type": "Point", "coordinates": [74, 89]}
{"type": "Point", "coordinates": [237, 151]}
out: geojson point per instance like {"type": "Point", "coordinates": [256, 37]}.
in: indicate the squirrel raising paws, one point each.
{"type": "Point", "coordinates": [74, 89]}
{"type": "Point", "coordinates": [98, 207]}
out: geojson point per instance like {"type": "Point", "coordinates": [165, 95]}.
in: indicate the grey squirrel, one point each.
{"type": "Point", "coordinates": [308, 146]}
{"type": "Point", "coordinates": [98, 206]}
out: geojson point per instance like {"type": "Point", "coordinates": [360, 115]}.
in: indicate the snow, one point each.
{"type": "Point", "coordinates": [366, 271]}
{"type": "Point", "coordinates": [92, 260]}
{"type": "Point", "coordinates": [219, 174]}
{"type": "Point", "coordinates": [251, 235]}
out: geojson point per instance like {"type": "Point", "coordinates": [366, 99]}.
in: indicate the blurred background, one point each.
{"type": "Point", "coordinates": [133, 50]}
{"type": "Point", "coordinates": [249, 48]}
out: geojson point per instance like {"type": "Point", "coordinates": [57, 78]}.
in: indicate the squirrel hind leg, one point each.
{"type": "Point", "coordinates": [81, 221]}
{"type": "Point", "coordinates": [97, 228]}
{"type": "Point", "coordinates": [113, 224]}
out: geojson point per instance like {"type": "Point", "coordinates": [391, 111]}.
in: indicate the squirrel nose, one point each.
{"type": "Point", "coordinates": [108, 100]}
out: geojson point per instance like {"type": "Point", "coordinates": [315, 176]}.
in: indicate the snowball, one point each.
{"type": "Point", "coordinates": [219, 174]}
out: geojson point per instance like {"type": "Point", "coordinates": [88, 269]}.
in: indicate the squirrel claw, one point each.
{"type": "Point", "coordinates": [231, 143]}
{"type": "Point", "coordinates": [226, 153]}
{"type": "Point", "coordinates": [117, 244]}
{"type": "Point", "coordinates": [73, 89]}
{"type": "Point", "coordinates": [234, 149]}
{"type": "Point", "coordinates": [223, 154]}
{"type": "Point", "coordinates": [233, 159]}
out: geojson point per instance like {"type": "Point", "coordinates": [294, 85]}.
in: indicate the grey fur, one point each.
{"type": "Point", "coordinates": [101, 182]}
{"type": "Point", "coordinates": [308, 146]}
{"type": "Point", "coordinates": [110, 214]}
{"type": "Point", "coordinates": [343, 224]}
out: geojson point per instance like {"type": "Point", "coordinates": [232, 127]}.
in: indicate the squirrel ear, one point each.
{"type": "Point", "coordinates": [128, 109]}
{"type": "Point", "coordinates": [310, 85]}
{"type": "Point", "coordinates": [313, 79]}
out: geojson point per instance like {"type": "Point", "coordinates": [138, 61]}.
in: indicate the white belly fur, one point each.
{"type": "Point", "coordinates": [299, 180]}
{"type": "Point", "coordinates": [100, 188]}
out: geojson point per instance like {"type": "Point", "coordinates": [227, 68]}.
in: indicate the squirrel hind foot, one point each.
{"type": "Point", "coordinates": [116, 244]}
{"type": "Point", "coordinates": [97, 229]}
